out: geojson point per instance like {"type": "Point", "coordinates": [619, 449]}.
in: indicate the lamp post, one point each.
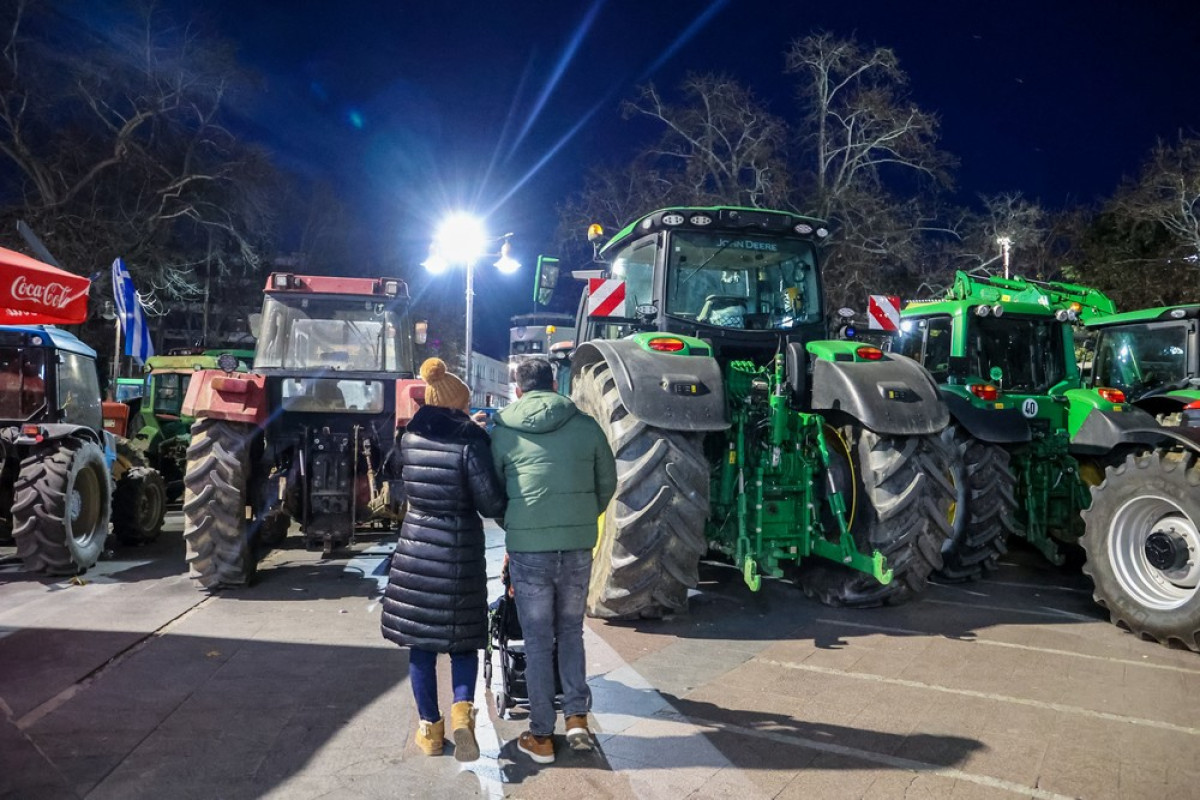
{"type": "Point", "coordinates": [1005, 243]}
{"type": "Point", "coordinates": [461, 239]}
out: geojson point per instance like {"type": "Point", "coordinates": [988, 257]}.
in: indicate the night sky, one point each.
{"type": "Point", "coordinates": [415, 109]}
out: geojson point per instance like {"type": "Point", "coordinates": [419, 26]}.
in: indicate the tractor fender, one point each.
{"type": "Point", "coordinates": [1102, 431]}
{"type": "Point", "coordinates": [53, 431]}
{"type": "Point", "coordinates": [994, 426]}
{"type": "Point", "coordinates": [894, 396]}
{"type": "Point", "coordinates": [235, 397]}
{"type": "Point", "coordinates": [672, 392]}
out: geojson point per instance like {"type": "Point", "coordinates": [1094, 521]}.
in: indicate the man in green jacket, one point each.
{"type": "Point", "coordinates": [560, 474]}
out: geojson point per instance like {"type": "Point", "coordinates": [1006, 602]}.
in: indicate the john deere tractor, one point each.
{"type": "Point", "coordinates": [58, 464]}
{"type": "Point", "coordinates": [739, 430]}
{"type": "Point", "coordinates": [308, 435]}
{"type": "Point", "coordinates": [1153, 356]}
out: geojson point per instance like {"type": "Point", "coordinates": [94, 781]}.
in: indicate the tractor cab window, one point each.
{"type": "Point", "coordinates": [1141, 358]}
{"type": "Point", "coordinates": [928, 342]}
{"type": "Point", "coordinates": [168, 390]}
{"type": "Point", "coordinates": [742, 280]}
{"type": "Point", "coordinates": [347, 334]}
{"type": "Point", "coordinates": [1029, 351]}
{"type": "Point", "coordinates": [22, 382]}
{"type": "Point", "coordinates": [79, 391]}
{"type": "Point", "coordinates": [330, 394]}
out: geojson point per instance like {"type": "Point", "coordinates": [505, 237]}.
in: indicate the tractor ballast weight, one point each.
{"type": "Point", "coordinates": [708, 388]}
{"type": "Point", "coordinates": [309, 435]}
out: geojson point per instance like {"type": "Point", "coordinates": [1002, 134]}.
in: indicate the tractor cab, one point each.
{"type": "Point", "coordinates": [741, 279]}
{"type": "Point", "coordinates": [1152, 355]}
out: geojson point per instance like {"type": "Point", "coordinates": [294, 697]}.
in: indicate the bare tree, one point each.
{"type": "Point", "coordinates": [1167, 194]}
{"type": "Point", "coordinates": [721, 144]}
{"type": "Point", "coordinates": [869, 160]}
{"type": "Point", "coordinates": [118, 147]}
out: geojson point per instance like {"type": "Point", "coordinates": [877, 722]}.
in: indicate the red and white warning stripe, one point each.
{"type": "Point", "coordinates": [883, 312]}
{"type": "Point", "coordinates": [606, 298]}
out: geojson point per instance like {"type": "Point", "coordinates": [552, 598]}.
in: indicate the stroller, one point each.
{"type": "Point", "coordinates": [506, 638]}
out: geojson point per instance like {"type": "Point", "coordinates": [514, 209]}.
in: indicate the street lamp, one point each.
{"type": "Point", "coordinates": [461, 239]}
{"type": "Point", "coordinates": [1005, 243]}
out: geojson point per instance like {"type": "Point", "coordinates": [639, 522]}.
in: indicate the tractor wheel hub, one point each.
{"type": "Point", "coordinates": [1166, 550]}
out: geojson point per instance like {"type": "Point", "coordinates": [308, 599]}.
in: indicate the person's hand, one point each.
{"type": "Point", "coordinates": [480, 418]}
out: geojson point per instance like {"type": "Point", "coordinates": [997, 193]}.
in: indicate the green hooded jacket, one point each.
{"type": "Point", "coordinates": [558, 470]}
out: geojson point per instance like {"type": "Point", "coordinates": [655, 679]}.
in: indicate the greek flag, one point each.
{"type": "Point", "coordinates": [129, 312]}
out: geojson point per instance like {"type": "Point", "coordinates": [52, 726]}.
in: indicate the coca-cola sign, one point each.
{"type": "Point", "coordinates": [51, 295]}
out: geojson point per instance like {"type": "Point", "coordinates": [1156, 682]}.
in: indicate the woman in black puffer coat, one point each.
{"type": "Point", "coordinates": [436, 597]}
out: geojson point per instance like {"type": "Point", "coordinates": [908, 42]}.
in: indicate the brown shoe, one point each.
{"type": "Point", "coordinates": [430, 737]}
{"type": "Point", "coordinates": [578, 735]}
{"type": "Point", "coordinates": [539, 748]}
{"type": "Point", "coordinates": [462, 728]}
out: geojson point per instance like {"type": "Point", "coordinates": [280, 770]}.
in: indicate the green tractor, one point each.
{"type": "Point", "coordinates": [1039, 455]}
{"type": "Point", "coordinates": [1153, 356]}
{"type": "Point", "coordinates": [162, 431]}
{"type": "Point", "coordinates": [1003, 352]}
{"type": "Point", "coordinates": [1143, 541]}
{"type": "Point", "coordinates": [740, 431]}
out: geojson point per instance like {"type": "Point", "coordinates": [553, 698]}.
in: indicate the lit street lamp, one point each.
{"type": "Point", "coordinates": [461, 239]}
{"type": "Point", "coordinates": [1005, 243]}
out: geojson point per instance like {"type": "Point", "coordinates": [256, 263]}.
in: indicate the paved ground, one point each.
{"type": "Point", "coordinates": [132, 684]}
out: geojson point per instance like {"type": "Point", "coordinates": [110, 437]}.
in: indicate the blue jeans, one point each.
{"type": "Point", "coordinates": [422, 673]}
{"type": "Point", "coordinates": [551, 593]}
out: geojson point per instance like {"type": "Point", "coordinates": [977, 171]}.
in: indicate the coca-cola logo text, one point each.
{"type": "Point", "coordinates": [53, 295]}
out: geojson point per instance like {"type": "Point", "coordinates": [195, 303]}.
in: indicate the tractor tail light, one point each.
{"type": "Point", "coordinates": [1192, 406]}
{"type": "Point", "coordinates": [869, 353]}
{"type": "Point", "coordinates": [32, 432]}
{"type": "Point", "coordinates": [1111, 395]}
{"type": "Point", "coordinates": [984, 391]}
{"type": "Point", "coordinates": [665, 344]}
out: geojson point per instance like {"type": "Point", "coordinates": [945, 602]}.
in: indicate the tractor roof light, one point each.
{"type": "Point", "coordinates": [391, 287]}
{"type": "Point", "coordinates": [672, 219]}
{"type": "Point", "coordinates": [985, 391]}
{"type": "Point", "coordinates": [804, 229]}
{"type": "Point", "coordinates": [666, 344]}
{"type": "Point", "coordinates": [868, 353]}
{"type": "Point", "coordinates": [1111, 395]}
{"type": "Point", "coordinates": [595, 231]}
{"type": "Point", "coordinates": [997, 310]}
{"type": "Point", "coordinates": [1062, 315]}
{"type": "Point", "coordinates": [700, 220]}
{"type": "Point", "coordinates": [983, 311]}
{"type": "Point", "coordinates": [282, 280]}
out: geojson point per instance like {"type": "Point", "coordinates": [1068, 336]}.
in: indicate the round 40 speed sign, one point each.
{"type": "Point", "coordinates": [1030, 407]}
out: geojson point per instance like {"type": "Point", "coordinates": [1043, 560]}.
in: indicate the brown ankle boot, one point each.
{"type": "Point", "coordinates": [462, 728]}
{"type": "Point", "coordinates": [430, 736]}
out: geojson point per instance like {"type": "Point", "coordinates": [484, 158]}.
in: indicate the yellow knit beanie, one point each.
{"type": "Point", "coordinates": [444, 388]}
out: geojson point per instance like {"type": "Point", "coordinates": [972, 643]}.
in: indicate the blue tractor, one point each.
{"type": "Point", "coordinates": [63, 478]}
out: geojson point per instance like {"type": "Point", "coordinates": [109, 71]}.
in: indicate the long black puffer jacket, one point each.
{"type": "Point", "coordinates": [436, 596]}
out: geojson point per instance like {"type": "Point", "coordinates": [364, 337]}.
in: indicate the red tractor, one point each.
{"type": "Point", "coordinates": [309, 436]}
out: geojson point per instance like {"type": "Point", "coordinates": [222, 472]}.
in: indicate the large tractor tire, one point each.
{"type": "Point", "coordinates": [652, 538]}
{"type": "Point", "coordinates": [61, 508]}
{"type": "Point", "coordinates": [985, 507]}
{"type": "Point", "coordinates": [1142, 545]}
{"type": "Point", "coordinates": [215, 530]}
{"type": "Point", "coordinates": [139, 506]}
{"type": "Point", "coordinates": [899, 496]}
